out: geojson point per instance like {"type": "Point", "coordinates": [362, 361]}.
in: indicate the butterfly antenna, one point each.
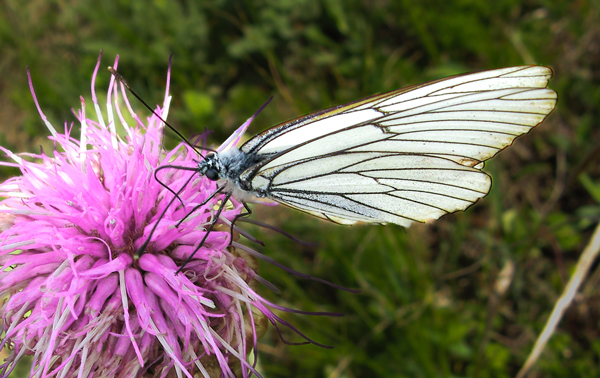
{"type": "Point", "coordinates": [120, 79]}
{"type": "Point", "coordinates": [202, 139]}
{"type": "Point", "coordinates": [208, 149]}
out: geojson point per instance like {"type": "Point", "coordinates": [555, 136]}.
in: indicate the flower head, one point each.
{"type": "Point", "coordinates": [81, 299]}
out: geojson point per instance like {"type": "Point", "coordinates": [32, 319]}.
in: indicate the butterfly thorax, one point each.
{"type": "Point", "coordinates": [226, 168]}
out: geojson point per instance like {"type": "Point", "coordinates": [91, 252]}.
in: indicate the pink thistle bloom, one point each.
{"type": "Point", "coordinates": [79, 298]}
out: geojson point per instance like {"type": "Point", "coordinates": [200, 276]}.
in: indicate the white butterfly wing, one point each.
{"type": "Point", "coordinates": [413, 154]}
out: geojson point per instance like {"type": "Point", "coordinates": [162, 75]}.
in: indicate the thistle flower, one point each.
{"type": "Point", "coordinates": [77, 295]}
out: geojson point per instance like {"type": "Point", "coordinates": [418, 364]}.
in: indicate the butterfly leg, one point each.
{"type": "Point", "coordinates": [208, 229]}
{"type": "Point", "coordinates": [176, 196]}
{"type": "Point", "coordinates": [219, 190]}
{"type": "Point", "coordinates": [165, 185]}
{"type": "Point", "coordinates": [238, 216]}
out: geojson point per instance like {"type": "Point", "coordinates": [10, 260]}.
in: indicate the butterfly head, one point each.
{"type": "Point", "coordinates": [230, 168]}
{"type": "Point", "coordinates": [211, 167]}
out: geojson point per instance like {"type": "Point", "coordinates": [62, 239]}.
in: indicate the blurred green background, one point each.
{"type": "Point", "coordinates": [431, 302]}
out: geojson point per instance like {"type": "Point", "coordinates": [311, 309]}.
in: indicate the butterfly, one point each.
{"type": "Point", "coordinates": [409, 155]}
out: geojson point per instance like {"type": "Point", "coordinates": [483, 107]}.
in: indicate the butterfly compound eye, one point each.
{"type": "Point", "coordinates": [212, 175]}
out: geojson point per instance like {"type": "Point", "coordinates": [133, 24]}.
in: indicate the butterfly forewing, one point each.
{"type": "Point", "coordinates": [413, 154]}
